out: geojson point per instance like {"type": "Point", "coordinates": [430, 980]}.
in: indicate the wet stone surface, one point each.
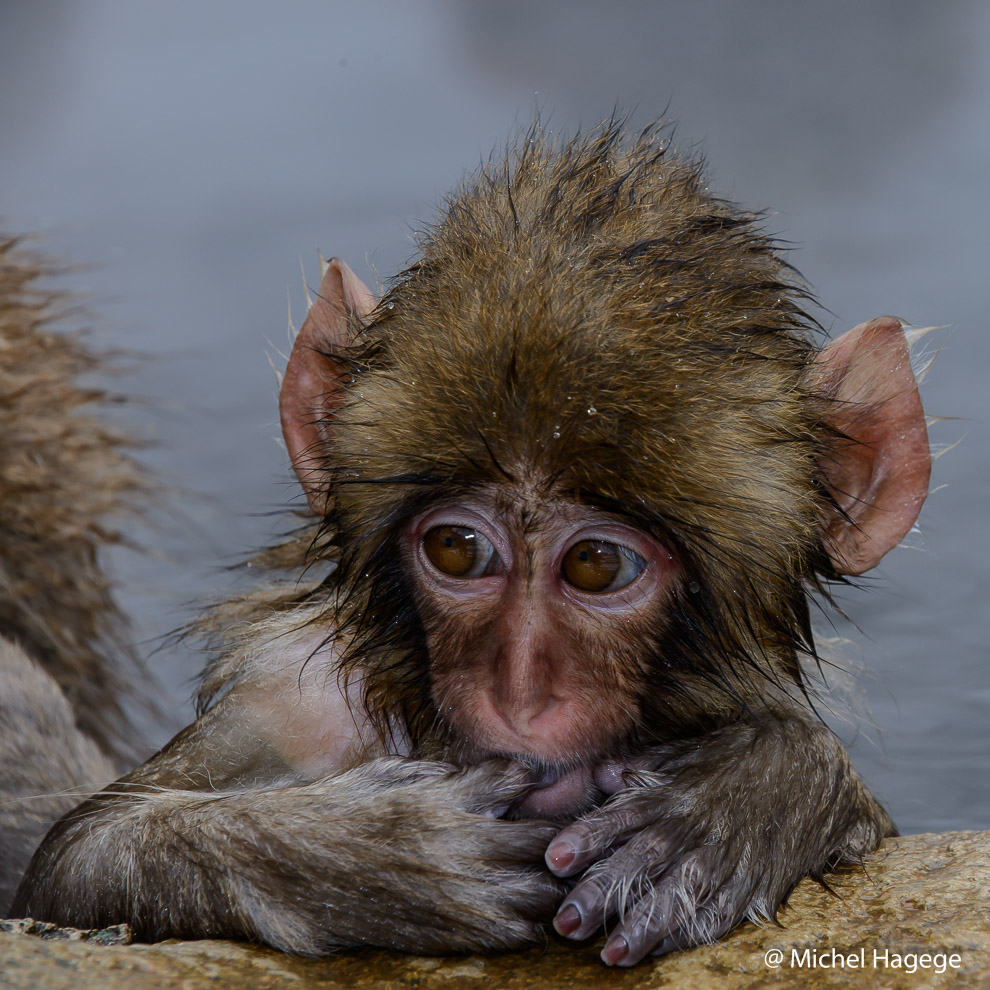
{"type": "Point", "coordinates": [920, 906]}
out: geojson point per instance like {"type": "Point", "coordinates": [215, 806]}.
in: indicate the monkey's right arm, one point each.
{"type": "Point", "coordinates": [395, 853]}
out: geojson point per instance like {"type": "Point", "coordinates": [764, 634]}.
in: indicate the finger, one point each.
{"type": "Point", "coordinates": [708, 925]}
{"type": "Point", "coordinates": [674, 904]}
{"type": "Point", "coordinates": [716, 917]}
{"type": "Point", "coordinates": [611, 882]}
{"type": "Point", "coordinates": [645, 926]}
{"type": "Point", "coordinates": [586, 908]}
{"type": "Point", "coordinates": [593, 836]}
{"type": "Point", "coordinates": [580, 844]}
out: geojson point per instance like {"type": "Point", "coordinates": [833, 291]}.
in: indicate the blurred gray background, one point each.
{"type": "Point", "coordinates": [189, 154]}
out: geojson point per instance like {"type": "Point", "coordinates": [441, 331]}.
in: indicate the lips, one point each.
{"type": "Point", "coordinates": [557, 794]}
{"type": "Point", "coordinates": [566, 793]}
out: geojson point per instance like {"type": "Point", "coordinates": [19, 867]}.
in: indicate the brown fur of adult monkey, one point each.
{"type": "Point", "coordinates": [63, 474]}
{"type": "Point", "coordinates": [577, 471]}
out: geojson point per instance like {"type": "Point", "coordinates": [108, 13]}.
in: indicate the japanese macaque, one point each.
{"type": "Point", "coordinates": [573, 477]}
{"type": "Point", "coordinates": [64, 473]}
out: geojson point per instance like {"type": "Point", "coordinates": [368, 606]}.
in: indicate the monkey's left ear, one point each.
{"type": "Point", "coordinates": [311, 384]}
{"type": "Point", "coordinates": [879, 476]}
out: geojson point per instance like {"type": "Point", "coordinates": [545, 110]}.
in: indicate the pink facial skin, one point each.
{"type": "Point", "coordinates": [527, 664]}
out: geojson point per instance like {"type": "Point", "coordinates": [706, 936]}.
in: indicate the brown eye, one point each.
{"type": "Point", "coordinates": [460, 552]}
{"type": "Point", "coordinates": [594, 565]}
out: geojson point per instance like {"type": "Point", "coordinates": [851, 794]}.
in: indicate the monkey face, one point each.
{"type": "Point", "coordinates": [534, 615]}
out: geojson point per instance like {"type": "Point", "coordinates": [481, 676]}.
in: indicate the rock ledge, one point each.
{"type": "Point", "coordinates": [916, 916]}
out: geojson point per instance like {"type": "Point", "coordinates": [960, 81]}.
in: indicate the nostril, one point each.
{"type": "Point", "coordinates": [523, 709]}
{"type": "Point", "coordinates": [550, 729]}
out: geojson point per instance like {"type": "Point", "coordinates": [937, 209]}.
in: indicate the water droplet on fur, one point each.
{"type": "Point", "coordinates": [694, 587]}
{"type": "Point", "coordinates": [556, 434]}
{"type": "Point", "coordinates": [592, 411]}
{"type": "Point", "coordinates": [390, 305]}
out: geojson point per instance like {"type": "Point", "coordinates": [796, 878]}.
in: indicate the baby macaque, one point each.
{"type": "Point", "coordinates": [572, 479]}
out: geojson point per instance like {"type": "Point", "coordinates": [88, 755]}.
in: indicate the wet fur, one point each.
{"type": "Point", "coordinates": [594, 268]}
{"type": "Point", "coordinates": [549, 340]}
{"type": "Point", "coordinates": [65, 473]}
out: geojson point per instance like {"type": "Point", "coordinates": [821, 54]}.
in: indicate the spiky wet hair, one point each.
{"type": "Point", "coordinates": [587, 321]}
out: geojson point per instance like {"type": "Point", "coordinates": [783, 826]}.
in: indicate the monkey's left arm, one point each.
{"type": "Point", "coordinates": [720, 832]}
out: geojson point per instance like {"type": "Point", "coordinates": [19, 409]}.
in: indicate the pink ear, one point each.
{"type": "Point", "coordinates": [879, 477]}
{"type": "Point", "coordinates": [311, 384]}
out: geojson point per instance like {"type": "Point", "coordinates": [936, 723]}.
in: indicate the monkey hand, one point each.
{"type": "Point", "coordinates": [720, 831]}
{"type": "Point", "coordinates": [431, 866]}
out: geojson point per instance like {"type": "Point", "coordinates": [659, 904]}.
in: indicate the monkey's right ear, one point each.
{"type": "Point", "coordinates": [311, 385]}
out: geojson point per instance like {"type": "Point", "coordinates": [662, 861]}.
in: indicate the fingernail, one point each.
{"type": "Point", "coordinates": [560, 855]}
{"type": "Point", "coordinates": [568, 920]}
{"type": "Point", "coordinates": [616, 949]}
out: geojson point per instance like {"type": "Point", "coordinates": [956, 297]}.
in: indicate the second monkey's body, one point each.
{"type": "Point", "coordinates": [576, 473]}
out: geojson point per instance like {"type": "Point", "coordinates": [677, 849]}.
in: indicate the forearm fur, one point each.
{"type": "Point", "coordinates": [388, 854]}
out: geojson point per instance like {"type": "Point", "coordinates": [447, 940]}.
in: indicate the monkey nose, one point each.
{"type": "Point", "coordinates": [529, 715]}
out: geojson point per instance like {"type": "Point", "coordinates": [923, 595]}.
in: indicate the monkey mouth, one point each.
{"type": "Point", "coordinates": [562, 792]}
{"type": "Point", "coordinates": [556, 793]}
{"type": "Point", "coordinates": [565, 791]}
